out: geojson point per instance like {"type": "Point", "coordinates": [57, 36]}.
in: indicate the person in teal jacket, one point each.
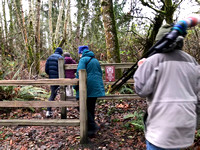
{"type": "Point", "coordinates": [95, 86]}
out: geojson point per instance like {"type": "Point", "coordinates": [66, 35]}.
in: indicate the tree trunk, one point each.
{"type": "Point", "coordinates": [112, 46]}
{"type": "Point", "coordinates": [56, 41]}
{"type": "Point", "coordinates": [1, 46]}
{"type": "Point", "coordinates": [31, 34]}
{"type": "Point", "coordinates": [5, 27]}
{"type": "Point", "coordinates": [37, 39]}
{"type": "Point", "coordinates": [86, 15]}
{"type": "Point", "coordinates": [79, 7]}
{"type": "Point", "coordinates": [50, 27]}
{"type": "Point", "coordinates": [66, 25]}
{"type": "Point", "coordinates": [21, 22]}
{"type": "Point", "coordinates": [158, 20]}
{"type": "Point", "coordinates": [11, 28]}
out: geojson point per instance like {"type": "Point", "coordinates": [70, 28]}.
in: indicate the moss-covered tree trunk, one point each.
{"type": "Point", "coordinates": [67, 25]}
{"type": "Point", "coordinates": [56, 39]}
{"type": "Point", "coordinates": [86, 16]}
{"type": "Point", "coordinates": [31, 34]}
{"type": "Point", "coordinates": [37, 39]}
{"type": "Point", "coordinates": [79, 7]}
{"type": "Point", "coordinates": [11, 28]}
{"type": "Point", "coordinates": [112, 46]}
{"type": "Point", "coordinates": [5, 27]}
{"type": "Point", "coordinates": [50, 27]}
{"type": "Point", "coordinates": [21, 22]}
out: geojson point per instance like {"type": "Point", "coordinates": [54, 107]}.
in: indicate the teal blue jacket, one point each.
{"type": "Point", "coordinates": [95, 86]}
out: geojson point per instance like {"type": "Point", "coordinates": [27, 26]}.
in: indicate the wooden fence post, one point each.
{"type": "Point", "coordinates": [61, 70]}
{"type": "Point", "coordinates": [83, 106]}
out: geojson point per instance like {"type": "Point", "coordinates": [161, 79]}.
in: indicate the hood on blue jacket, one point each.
{"type": "Point", "coordinates": [87, 53]}
{"type": "Point", "coordinates": [59, 50]}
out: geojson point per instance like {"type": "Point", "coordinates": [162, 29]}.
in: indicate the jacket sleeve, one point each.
{"type": "Point", "coordinates": [198, 100]}
{"type": "Point", "coordinates": [47, 67]}
{"type": "Point", "coordinates": [144, 79]}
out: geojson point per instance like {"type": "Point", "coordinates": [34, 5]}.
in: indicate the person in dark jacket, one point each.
{"type": "Point", "coordinates": [95, 86]}
{"type": "Point", "coordinates": [70, 73]}
{"type": "Point", "coordinates": [51, 68]}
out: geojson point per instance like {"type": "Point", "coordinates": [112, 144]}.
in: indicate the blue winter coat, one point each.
{"type": "Point", "coordinates": [51, 66]}
{"type": "Point", "coordinates": [95, 86]}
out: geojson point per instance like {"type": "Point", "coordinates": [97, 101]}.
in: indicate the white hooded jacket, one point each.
{"type": "Point", "coordinates": [170, 81]}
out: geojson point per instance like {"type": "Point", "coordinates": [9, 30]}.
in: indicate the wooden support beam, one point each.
{"type": "Point", "coordinates": [83, 106]}
{"type": "Point", "coordinates": [39, 82]}
{"type": "Point", "coordinates": [61, 71]}
{"type": "Point", "coordinates": [38, 103]}
{"type": "Point", "coordinates": [31, 122]}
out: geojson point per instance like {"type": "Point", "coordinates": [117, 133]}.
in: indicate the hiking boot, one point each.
{"type": "Point", "coordinates": [49, 114]}
{"type": "Point", "coordinates": [92, 132]}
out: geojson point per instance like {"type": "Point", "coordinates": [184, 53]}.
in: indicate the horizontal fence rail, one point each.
{"type": "Point", "coordinates": [111, 97]}
{"type": "Point", "coordinates": [37, 122]}
{"type": "Point", "coordinates": [117, 65]}
{"type": "Point", "coordinates": [39, 104]}
{"type": "Point", "coordinates": [61, 81]}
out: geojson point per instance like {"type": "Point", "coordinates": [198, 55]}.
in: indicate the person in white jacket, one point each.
{"type": "Point", "coordinates": [170, 81]}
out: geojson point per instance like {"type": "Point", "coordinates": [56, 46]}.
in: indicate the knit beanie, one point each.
{"type": "Point", "coordinates": [59, 50]}
{"type": "Point", "coordinates": [81, 48]}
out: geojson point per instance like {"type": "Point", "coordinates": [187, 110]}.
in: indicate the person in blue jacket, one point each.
{"type": "Point", "coordinates": [51, 68]}
{"type": "Point", "coordinates": [95, 86]}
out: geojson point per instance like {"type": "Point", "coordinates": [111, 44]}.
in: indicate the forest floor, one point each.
{"type": "Point", "coordinates": [116, 133]}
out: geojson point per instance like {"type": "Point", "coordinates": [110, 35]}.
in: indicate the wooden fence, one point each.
{"type": "Point", "coordinates": [64, 102]}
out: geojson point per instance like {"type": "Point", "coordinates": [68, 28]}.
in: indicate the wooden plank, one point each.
{"type": "Point", "coordinates": [117, 97]}
{"type": "Point", "coordinates": [130, 81]}
{"type": "Point", "coordinates": [83, 106]}
{"type": "Point", "coordinates": [38, 103]}
{"type": "Point", "coordinates": [61, 70]}
{"type": "Point", "coordinates": [39, 82]}
{"type": "Point", "coordinates": [117, 65]}
{"type": "Point", "coordinates": [112, 97]}
{"type": "Point", "coordinates": [34, 122]}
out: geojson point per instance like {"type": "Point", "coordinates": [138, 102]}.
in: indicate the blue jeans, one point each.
{"type": "Point", "coordinates": [153, 147]}
{"type": "Point", "coordinates": [54, 90]}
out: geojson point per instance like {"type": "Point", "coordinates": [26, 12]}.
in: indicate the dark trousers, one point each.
{"type": "Point", "coordinates": [54, 90]}
{"type": "Point", "coordinates": [91, 101]}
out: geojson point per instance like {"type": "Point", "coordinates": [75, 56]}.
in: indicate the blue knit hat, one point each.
{"type": "Point", "coordinates": [81, 48]}
{"type": "Point", "coordinates": [59, 50]}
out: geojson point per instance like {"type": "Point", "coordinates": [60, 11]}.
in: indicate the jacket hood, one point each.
{"type": "Point", "coordinates": [82, 48]}
{"type": "Point", "coordinates": [88, 53]}
{"type": "Point", "coordinates": [59, 50]}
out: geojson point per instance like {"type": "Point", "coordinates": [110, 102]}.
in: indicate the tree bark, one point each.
{"type": "Point", "coordinates": [11, 28]}
{"type": "Point", "coordinates": [37, 39]}
{"type": "Point", "coordinates": [112, 46]}
{"type": "Point", "coordinates": [58, 24]}
{"type": "Point", "coordinates": [21, 22]}
{"type": "Point", "coordinates": [50, 27]}
{"type": "Point", "coordinates": [5, 25]}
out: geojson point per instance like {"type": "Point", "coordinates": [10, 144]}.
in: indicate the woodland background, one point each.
{"type": "Point", "coordinates": [115, 30]}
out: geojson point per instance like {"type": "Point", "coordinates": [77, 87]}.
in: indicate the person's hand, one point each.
{"type": "Point", "coordinates": [141, 61]}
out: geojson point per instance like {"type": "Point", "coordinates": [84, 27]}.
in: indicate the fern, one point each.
{"type": "Point", "coordinates": [30, 93]}
{"type": "Point", "coordinates": [136, 119]}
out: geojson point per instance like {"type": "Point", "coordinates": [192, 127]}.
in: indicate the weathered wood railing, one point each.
{"type": "Point", "coordinates": [65, 101]}
{"type": "Point", "coordinates": [82, 121]}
